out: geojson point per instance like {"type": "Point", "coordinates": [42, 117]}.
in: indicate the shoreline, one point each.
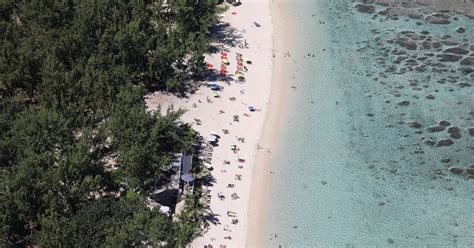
{"type": "Point", "coordinates": [217, 114]}
{"type": "Point", "coordinates": [273, 121]}
{"type": "Point", "coordinates": [339, 151]}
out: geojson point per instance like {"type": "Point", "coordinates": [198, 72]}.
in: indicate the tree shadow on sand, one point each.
{"type": "Point", "coordinates": [224, 35]}
{"type": "Point", "coordinates": [213, 75]}
{"type": "Point", "coordinates": [209, 219]}
{"type": "Point", "coordinates": [209, 180]}
{"type": "Point", "coordinates": [212, 218]}
{"type": "Point", "coordinates": [194, 82]}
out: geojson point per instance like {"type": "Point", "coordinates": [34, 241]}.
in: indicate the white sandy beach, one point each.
{"type": "Point", "coordinates": [254, 92]}
{"type": "Point", "coordinates": [276, 114]}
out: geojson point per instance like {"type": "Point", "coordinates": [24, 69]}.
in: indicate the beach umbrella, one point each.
{"type": "Point", "coordinates": [251, 108]}
{"type": "Point", "coordinates": [221, 195]}
{"type": "Point", "coordinates": [211, 138]}
{"type": "Point", "coordinates": [214, 87]}
{"type": "Point", "coordinates": [209, 65]}
{"type": "Point", "coordinates": [214, 94]}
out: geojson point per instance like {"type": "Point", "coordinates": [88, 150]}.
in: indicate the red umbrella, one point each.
{"type": "Point", "coordinates": [209, 65]}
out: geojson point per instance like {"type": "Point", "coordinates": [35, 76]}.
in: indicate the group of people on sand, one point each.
{"type": "Point", "coordinates": [233, 220]}
{"type": "Point", "coordinates": [234, 196]}
{"type": "Point", "coordinates": [230, 218]}
{"type": "Point", "coordinates": [241, 67]}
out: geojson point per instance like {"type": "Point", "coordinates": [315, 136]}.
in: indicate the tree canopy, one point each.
{"type": "Point", "coordinates": [73, 78]}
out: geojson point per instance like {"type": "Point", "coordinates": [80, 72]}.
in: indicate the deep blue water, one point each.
{"type": "Point", "coordinates": [350, 169]}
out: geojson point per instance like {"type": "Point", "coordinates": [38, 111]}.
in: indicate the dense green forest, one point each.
{"type": "Point", "coordinates": [73, 78]}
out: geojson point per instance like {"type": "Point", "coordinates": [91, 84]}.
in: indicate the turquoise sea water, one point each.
{"type": "Point", "coordinates": [350, 169]}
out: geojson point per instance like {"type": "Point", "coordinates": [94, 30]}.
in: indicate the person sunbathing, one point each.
{"type": "Point", "coordinates": [235, 196]}
{"type": "Point", "coordinates": [198, 121]}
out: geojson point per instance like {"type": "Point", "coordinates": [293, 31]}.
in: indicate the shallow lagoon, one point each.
{"type": "Point", "coordinates": [357, 164]}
